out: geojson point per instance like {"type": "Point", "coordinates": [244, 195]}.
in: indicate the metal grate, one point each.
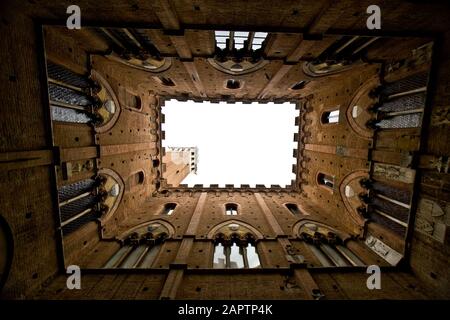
{"type": "Point", "coordinates": [144, 37]}
{"type": "Point", "coordinates": [415, 81]}
{"type": "Point", "coordinates": [123, 38]}
{"type": "Point", "coordinates": [412, 120]}
{"type": "Point", "coordinates": [61, 94]}
{"type": "Point", "coordinates": [391, 192]}
{"type": "Point", "coordinates": [62, 74]}
{"type": "Point", "coordinates": [76, 207]}
{"type": "Point", "coordinates": [395, 227]}
{"type": "Point", "coordinates": [76, 224]}
{"type": "Point", "coordinates": [72, 190]}
{"type": "Point", "coordinates": [69, 115]}
{"type": "Point", "coordinates": [391, 209]}
{"type": "Point", "coordinates": [410, 102]}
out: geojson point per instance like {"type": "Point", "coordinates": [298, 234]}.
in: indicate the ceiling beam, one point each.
{"type": "Point", "coordinates": [328, 15]}
{"type": "Point", "coordinates": [166, 14]}
{"type": "Point", "coordinates": [275, 79]}
{"type": "Point", "coordinates": [182, 47]}
{"type": "Point", "coordinates": [172, 25]}
{"type": "Point", "coordinates": [192, 70]}
{"type": "Point", "coordinates": [310, 49]}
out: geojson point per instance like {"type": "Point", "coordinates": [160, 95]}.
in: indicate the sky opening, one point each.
{"type": "Point", "coordinates": [237, 143]}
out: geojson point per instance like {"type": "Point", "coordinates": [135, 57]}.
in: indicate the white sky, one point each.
{"type": "Point", "coordinates": [237, 143]}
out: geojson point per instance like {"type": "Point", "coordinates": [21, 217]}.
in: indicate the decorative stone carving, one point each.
{"type": "Point", "coordinates": [383, 250]}
{"type": "Point", "coordinates": [393, 172]}
{"type": "Point", "coordinates": [432, 219]}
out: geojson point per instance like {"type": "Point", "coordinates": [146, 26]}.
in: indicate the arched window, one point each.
{"type": "Point", "coordinates": [135, 180]}
{"type": "Point", "coordinates": [231, 209]}
{"type": "Point", "coordinates": [327, 247]}
{"type": "Point", "coordinates": [240, 40]}
{"type": "Point", "coordinates": [140, 248]}
{"type": "Point", "coordinates": [293, 208]}
{"type": "Point", "coordinates": [331, 116]}
{"type": "Point", "coordinates": [233, 84]}
{"type": "Point", "coordinates": [299, 85]}
{"type": "Point", "coordinates": [68, 99]}
{"type": "Point", "coordinates": [77, 204]}
{"type": "Point", "coordinates": [235, 248]}
{"type": "Point", "coordinates": [133, 101]}
{"type": "Point", "coordinates": [88, 200]}
{"type": "Point", "coordinates": [165, 81]}
{"type": "Point", "coordinates": [325, 180]}
{"type": "Point", "coordinates": [169, 208]}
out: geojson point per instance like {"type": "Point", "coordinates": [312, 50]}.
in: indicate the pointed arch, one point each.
{"type": "Point", "coordinates": [362, 101]}
{"type": "Point", "coordinates": [296, 228]}
{"type": "Point", "coordinates": [106, 91]}
{"type": "Point", "coordinates": [351, 210]}
{"type": "Point", "coordinates": [170, 228]}
{"type": "Point", "coordinates": [117, 179]}
{"type": "Point", "coordinates": [217, 227]}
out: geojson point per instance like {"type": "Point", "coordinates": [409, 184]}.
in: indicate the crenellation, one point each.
{"type": "Point", "coordinates": [86, 180]}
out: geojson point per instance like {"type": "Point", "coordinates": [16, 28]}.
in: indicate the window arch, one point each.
{"type": "Point", "coordinates": [107, 108]}
{"type": "Point", "coordinates": [299, 85]}
{"type": "Point", "coordinates": [233, 84]}
{"type": "Point", "coordinates": [329, 117]}
{"type": "Point", "coordinates": [140, 248]}
{"type": "Point", "coordinates": [235, 248]}
{"type": "Point", "coordinates": [135, 179]}
{"type": "Point", "coordinates": [133, 101]}
{"type": "Point", "coordinates": [168, 209]}
{"type": "Point", "coordinates": [327, 246]}
{"type": "Point", "coordinates": [88, 200]}
{"type": "Point", "coordinates": [231, 209]}
{"type": "Point", "coordinates": [325, 180]}
{"type": "Point", "coordinates": [293, 208]}
{"type": "Point", "coordinates": [165, 81]}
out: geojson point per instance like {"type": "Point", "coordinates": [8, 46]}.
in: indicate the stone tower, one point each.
{"type": "Point", "coordinates": [179, 162]}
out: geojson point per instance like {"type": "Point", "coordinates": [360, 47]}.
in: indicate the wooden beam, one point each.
{"type": "Point", "coordinates": [170, 21]}
{"type": "Point", "coordinates": [328, 15]}
{"type": "Point", "coordinates": [72, 154]}
{"type": "Point", "coordinates": [25, 159]}
{"type": "Point", "coordinates": [108, 150]}
{"type": "Point", "coordinates": [359, 153]}
{"type": "Point", "coordinates": [310, 49]}
{"type": "Point", "coordinates": [193, 74]}
{"type": "Point", "coordinates": [307, 283]}
{"type": "Point", "coordinates": [275, 79]}
{"type": "Point", "coordinates": [166, 14]}
{"type": "Point", "coordinates": [182, 47]}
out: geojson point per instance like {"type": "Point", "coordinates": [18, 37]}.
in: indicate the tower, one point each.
{"type": "Point", "coordinates": [179, 162]}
